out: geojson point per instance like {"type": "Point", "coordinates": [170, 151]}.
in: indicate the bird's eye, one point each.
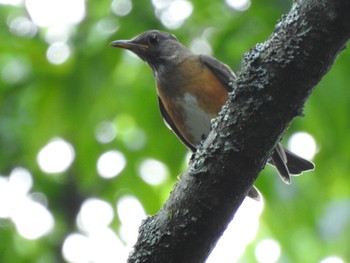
{"type": "Point", "coordinates": [153, 40]}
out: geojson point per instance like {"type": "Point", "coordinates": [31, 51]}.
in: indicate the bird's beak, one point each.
{"type": "Point", "coordinates": [127, 44]}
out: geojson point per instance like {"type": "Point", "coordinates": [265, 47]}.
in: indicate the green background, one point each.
{"type": "Point", "coordinates": [100, 83]}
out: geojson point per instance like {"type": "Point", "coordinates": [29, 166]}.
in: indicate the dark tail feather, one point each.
{"type": "Point", "coordinates": [288, 163]}
{"type": "Point", "coordinates": [254, 193]}
{"type": "Point", "coordinates": [279, 159]}
{"type": "Point", "coordinates": [296, 164]}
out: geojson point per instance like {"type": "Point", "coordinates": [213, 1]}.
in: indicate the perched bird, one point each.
{"type": "Point", "coordinates": [191, 91]}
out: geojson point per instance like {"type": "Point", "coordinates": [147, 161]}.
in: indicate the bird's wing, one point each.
{"type": "Point", "coordinates": [220, 70]}
{"type": "Point", "coordinates": [170, 124]}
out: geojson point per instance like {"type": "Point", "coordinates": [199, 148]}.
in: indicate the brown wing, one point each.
{"type": "Point", "coordinates": [220, 70]}
{"type": "Point", "coordinates": [170, 124]}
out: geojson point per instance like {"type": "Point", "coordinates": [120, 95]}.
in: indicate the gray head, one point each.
{"type": "Point", "coordinates": [155, 47]}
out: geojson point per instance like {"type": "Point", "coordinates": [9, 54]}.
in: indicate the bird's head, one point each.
{"type": "Point", "coordinates": [155, 47]}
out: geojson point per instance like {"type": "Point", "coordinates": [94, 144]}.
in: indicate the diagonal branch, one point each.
{"type": "Point", "coordinates": [277, 77]}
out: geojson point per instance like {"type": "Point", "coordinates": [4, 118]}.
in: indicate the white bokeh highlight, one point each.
{"type": "Point", "coordinates": [267, 251]}
{"type": "Point", "coordinates": [56, 156]}
{"type": "Point", "coordinates": [241, 231]}
{"type": "Point", "coordinates": [239, 5]}
{"type": "Point", "coordinates": [94, 214]}
{"type": "Point", "coordinates": [15, 70]}
{"type": "Point", "coordinates": [131, 213]}
{"type": "Point", "coordinates": [332, 259]}
{"type": "Point", "coordinates": [59, 33]}
{"type": "Point", "coordinates": [97, 242]}
{"type": "Point", "coordinates": [121, 7]}
{"type": "Point", "coordinates": [173, 13]}
{"type": "Point", "coordinates": [101, 246]}
{"type": "Point", "coordinates": [200, 46]}
{"type": "Point", "coordinates": [22, 26]}
{"type": "Point", "coordinates": [110, 164]}
{"type": "Point", "coordinates": [58, 53]}
{"type": "Point", "coordinates": [153, 172]}
{"type": "Point", "coordinates": [31, 218]}
{"type": "Point", "coordinates": [76, 248]}
{"type": "Point", "coordinates": [12, 2]}
{"type": "Point", "coordinates": [105, 132]}
{"type": "Point", "coordinates": [46, 13]}
{"type": "Point", "coordinates": [59, 18]}
{"type": "Point", "coordinates": [303, 144]}
{"type": "Point", "coordinates": [21, 180]}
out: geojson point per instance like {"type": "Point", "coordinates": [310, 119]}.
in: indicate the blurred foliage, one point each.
{"type": "Point", "coordinates": [99, 83]}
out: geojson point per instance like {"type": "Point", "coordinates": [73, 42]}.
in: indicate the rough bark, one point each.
{"type": "Point", "coordinates": [277, 77]}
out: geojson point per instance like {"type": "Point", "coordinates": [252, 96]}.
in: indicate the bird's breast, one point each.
{"type": "Point", "coordinates": [192, 96]}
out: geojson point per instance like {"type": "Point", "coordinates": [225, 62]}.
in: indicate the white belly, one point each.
{"type": "Point", "coordinates": [197, 120]}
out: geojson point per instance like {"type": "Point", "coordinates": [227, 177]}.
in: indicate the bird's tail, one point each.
{"type": "Point", "coordinates": [254, 193]}
{"type": "Point", "coordinates": [288, 163]}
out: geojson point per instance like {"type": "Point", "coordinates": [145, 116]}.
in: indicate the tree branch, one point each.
{"type": "Point", "coordinates": [277, 77]}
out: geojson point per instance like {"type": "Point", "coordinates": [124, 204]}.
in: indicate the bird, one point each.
{"type": "Point", "coordinates": [191, 90]}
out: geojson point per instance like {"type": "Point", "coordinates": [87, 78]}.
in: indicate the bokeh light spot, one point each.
{"type": "Point", "coordinates": [49, 12]}
{"type": "Point", "coordinates": [332, 259]}
{"type": "Point", "coordinates": [56, 156]}
{"type": "Point", "coordinates": [58, 53]}
{"type": "Point", "coordinates": [22, 26]}
{"type": "Point", "coordinates": [12, 2]}
{"type": "Point", "coordinates": [161, 4]}
{"type": "Point", "coordinates": [131, 213]}
{"type": "Point", "coordinates": [106, 27]}
{"type": "Point", "coordinates": [173, 13]}
{"type": "Point", "coordinates": [267, 251]}
{"type": "Point", "coordinates": [121, 7]}
{"type": "Point", "coordinates": [239, 5]}
{"type": "Point", "coordinates": [76, 248]}
{"type": "Point", "coordinates": [303, 144]}
{"type": "Point", "coordinates": [110, 164]}
{"type": "Point", "coordinates": [33, 220]}
{"type": "Point", "coordinates": [21, 180]}
{"type": "Point", "coordinates": [15, 70]}
{"type": "Point", "coordinates": [95, 214]}
{"type": "Point", "coordinates": [153, 171]}
{"type": "Point", "coordinates": [200, 46]}
{"type": "Point", "coordinates": [107, 247]}
{"type": "Point", "coordinates": [101, 246]}
{"type": "Point", "coordinates": [239, 234]}
{"type": "Point", "coordinates": [14, 189]}
{"type": "Point", "coordinates": [58, 33]}
{"type": "Point", "coordinates": [105, 132]}
{"type": "Point", "coordinates": [133, 137]}
{"type": "Point", "coordinates": [180, 10]}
